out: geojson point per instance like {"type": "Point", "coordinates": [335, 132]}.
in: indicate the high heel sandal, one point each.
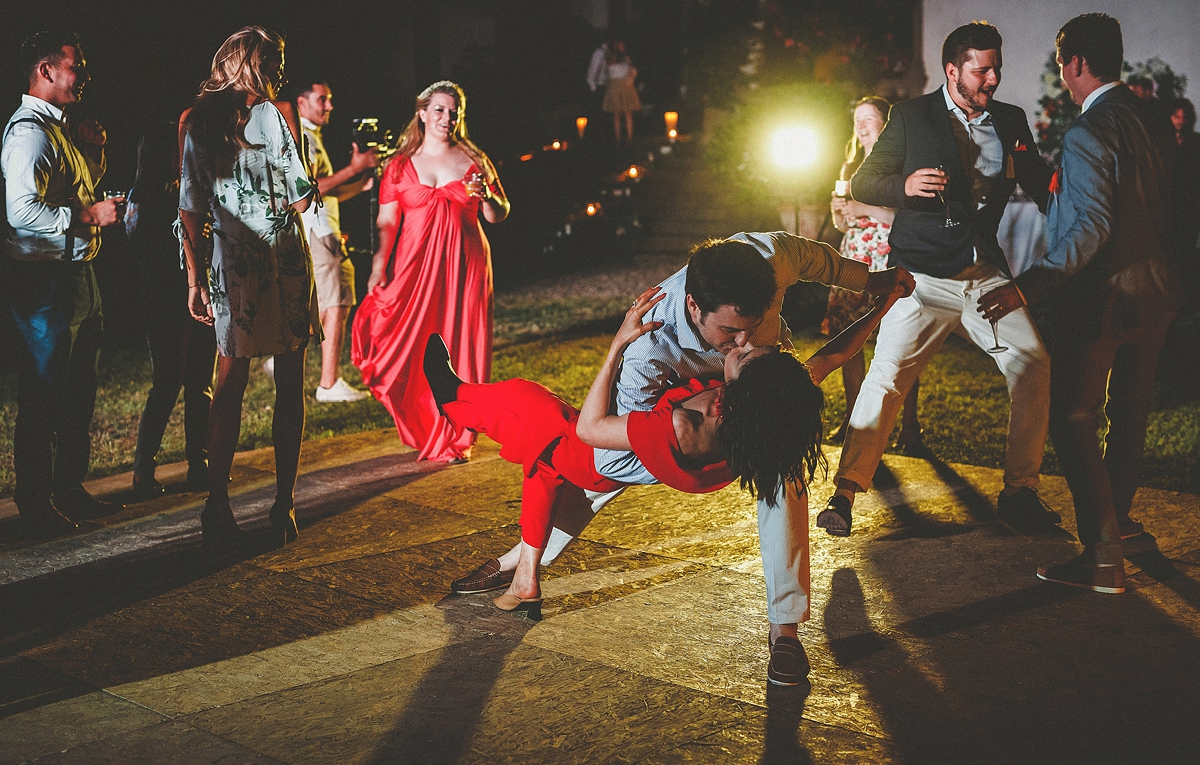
{"type": "Point", "coordinates": [218, 528]}
{"type": "Point", "coordinates": [531, 607]}
{"type": "Point", "coordinates": [283, 523]}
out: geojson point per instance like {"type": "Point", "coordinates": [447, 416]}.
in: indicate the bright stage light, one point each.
{"type": "Point", "coordinates": [794, 147]}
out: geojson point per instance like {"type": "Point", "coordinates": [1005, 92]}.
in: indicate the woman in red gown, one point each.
{"type": "Point", "coordinates": [432, 272]}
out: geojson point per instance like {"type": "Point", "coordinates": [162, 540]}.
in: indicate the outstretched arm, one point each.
{"type": "Point", "coordinates": [850, 340]}
{"type": "Point", "coordinates": [596, 427]}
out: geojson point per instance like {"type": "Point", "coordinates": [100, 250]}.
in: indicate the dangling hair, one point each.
{"type": "Point", "coordinates": [771, 428]}
{"type": "Point", "coordinates": [414, 133]}
{"type": "Point", "coordinates": [217, 122]}
{"type": "Point", "coordinates": [855, 152]}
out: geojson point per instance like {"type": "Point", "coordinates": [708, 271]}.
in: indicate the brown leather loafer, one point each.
{"type": "Point", "coordinates": [486, 578]}
{"type": "Point", "coordinates": [789, 662]}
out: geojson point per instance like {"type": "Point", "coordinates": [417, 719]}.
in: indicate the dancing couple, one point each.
{"type": "Point", "coordinates": [675, 422]}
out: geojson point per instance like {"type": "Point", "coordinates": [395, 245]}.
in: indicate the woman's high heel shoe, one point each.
{"type": "Point", "coordinates": [283, 524]}
{"type": "Point", "coordinates": [218, 528]}
{"type": "Point", "coordinates": [531, 607]}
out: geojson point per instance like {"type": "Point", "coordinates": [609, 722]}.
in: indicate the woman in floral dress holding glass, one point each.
{"type": "Point", "coordinates": [865, 238]}
{"type": "Point", "coordinates": [241, 166]}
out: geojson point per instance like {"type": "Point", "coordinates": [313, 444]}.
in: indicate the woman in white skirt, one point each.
{"type": "Point", "coordinates": [621, 97]}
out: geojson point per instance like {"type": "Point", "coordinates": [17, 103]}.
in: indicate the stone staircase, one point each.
{"type": "Point", "coordinates": [684, 203]}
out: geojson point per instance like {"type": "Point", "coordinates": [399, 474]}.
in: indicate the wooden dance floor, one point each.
{"type": "Point", "coordinates": [931, 640]}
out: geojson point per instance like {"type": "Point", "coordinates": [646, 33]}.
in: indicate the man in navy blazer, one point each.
{"type": "Point", "coordinates": [948, 162]}
{"type": "Point", "coordinates": [1111, 286]}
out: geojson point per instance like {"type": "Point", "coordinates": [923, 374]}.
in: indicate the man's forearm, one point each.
{"type": "Point", "coordinates": [331, 185]}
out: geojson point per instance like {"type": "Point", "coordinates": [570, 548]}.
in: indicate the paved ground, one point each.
{"type": "Point", "coordinates": [931, 640]}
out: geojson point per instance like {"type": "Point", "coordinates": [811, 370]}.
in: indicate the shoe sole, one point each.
{"type": "Point", "coordinates": [476, 592]}
{"type": "Point", "coordinates": [1092, 587]}
{"type": "Point", "coordinates": [773, 681]}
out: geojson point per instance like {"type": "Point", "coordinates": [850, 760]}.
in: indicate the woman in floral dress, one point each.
{"type": "Point", "coordinates": [241, 167]}
{"type": "Point", "coordinates": [865, 238]}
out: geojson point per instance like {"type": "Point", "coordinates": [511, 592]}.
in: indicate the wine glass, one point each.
{"type": "Point", "coordinates": [996, 346]}
{"type": "Point", "coordinates": [950, 222]}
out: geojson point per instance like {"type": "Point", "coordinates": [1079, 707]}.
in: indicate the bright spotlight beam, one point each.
{"type": "Point", "coordinates": [794, 147]}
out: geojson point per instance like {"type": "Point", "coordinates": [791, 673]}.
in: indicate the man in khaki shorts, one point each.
{"type": "Point", "coordinates": [334, 273]}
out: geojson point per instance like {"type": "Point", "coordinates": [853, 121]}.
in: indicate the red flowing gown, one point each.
{"type": "Point", "coordinates": [441, 282]}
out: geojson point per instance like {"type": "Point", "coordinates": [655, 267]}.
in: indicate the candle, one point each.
{"type": "Point", "coordinates": [672, 119]}
{"type": "Point", "coordinates": [581, 125]}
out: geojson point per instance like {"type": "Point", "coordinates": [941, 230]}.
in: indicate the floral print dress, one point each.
{"type": "Point", "coordinates": [865, 240]}
{"type": "Point", "coordinates": [261, 277]}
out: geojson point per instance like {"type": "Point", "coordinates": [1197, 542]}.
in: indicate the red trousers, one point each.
{"type": "Point", "coordinates": [535, 429]}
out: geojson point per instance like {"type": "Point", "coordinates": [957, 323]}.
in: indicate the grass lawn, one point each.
{"type": "Point", "coordinates": [964, 403]}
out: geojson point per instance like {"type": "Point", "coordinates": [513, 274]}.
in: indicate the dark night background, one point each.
{"type": "Point", "coordinates": [522, 64]}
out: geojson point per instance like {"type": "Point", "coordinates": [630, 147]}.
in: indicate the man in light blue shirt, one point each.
{"type": "Point", "coordinates": [50, 204]}
{"type": "Point", "coordinates": [727, 298]}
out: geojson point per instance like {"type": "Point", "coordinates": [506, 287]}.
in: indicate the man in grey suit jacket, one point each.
{"type": "Point", "coordinates": [947, 162]}
{"type": "Point", "coordinates": [1109, 280]}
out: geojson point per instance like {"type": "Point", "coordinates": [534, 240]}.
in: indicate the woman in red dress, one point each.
{"type": "Point", "coordinates": [432, 272]}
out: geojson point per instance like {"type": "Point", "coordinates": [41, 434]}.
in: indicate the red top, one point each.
{"type": "Point", "coordinates": [652, 437]}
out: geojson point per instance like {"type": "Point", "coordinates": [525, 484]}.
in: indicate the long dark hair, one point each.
{"type": "Point", "coordinates": [771, 428]}
{"type": "Point", "coordinates": [855, 151]}
{"type": "Point", "coordinates": [217, 123]}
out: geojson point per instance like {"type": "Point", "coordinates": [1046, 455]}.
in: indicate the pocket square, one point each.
{"type": "Point", "coordinates": [1020, 147]}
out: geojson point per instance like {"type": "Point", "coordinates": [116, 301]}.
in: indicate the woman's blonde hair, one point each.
{"type": "Point", "coordinates": [218, 120]}
{"type": "Point", "coordinates": [855, 151]}
{"type": "Point", "coordinates": [414, 133]}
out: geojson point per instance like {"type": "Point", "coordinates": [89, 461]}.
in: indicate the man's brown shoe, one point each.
{"type": "Point", "coordinates": [789, 662]}
{"type": "Point", "coordinates": [486, 578]}
{"type": "Point", "coordinates": [1108, 578]}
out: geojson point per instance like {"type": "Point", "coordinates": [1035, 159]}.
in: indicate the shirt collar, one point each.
{"type": "Point", "coordinates": [306, 124]}
{"type": "Point", "coordinates": [1091, 99]}
{"type": "Point", "coordinates": [950, 105]}
{"type": "Point", "coordinates": [42, 107]}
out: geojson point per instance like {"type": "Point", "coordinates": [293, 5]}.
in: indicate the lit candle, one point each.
{"type": "Point", "coordinates": [672, 119]}
{"type": "Point", "coordinates": [581, 125]}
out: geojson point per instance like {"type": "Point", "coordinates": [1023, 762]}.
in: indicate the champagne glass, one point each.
{"type": "Point", "coordinates": [950, 222]}
{"type": "Point", "coordinates": [996, 346]}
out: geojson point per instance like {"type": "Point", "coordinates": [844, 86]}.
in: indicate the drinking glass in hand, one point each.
{"type": "Point", "coordinates": [950, 222]}
{"type": "Point", "coordinates": [996, 346]}
{"type": "Point", "coordinates": [841, 188]}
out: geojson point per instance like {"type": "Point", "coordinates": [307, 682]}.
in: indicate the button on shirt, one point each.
{"type": "Point", "coordinates": [675, 353]}
{"type": "Point", "coordinates": [979, 143]}
{"type": "Point", "coordinates": [322, 219]}
{"type": "Point", "coordinates": [47, 182]}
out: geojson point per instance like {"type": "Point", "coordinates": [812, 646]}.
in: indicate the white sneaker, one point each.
{"type": "Point", "coordinates": [340, 392]}
{"type": "Point", "coordinates": [269, 367]}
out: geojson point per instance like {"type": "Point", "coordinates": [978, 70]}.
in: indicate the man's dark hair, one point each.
{"type": "Point", "coordinates": [771, 428]}
{"type": "Point", "coordinates": [46, 45]}
{"type": "Point", "coordinates": [1140, 81]}
{"type": "Point", "coordinates": [303, 86]}
{"type": "Point", "coordinates": [978, 35]}
{"type": "Point", "coordinates": [1095, 38]}
{"type": "Point", "coordinates": [727, 272]}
